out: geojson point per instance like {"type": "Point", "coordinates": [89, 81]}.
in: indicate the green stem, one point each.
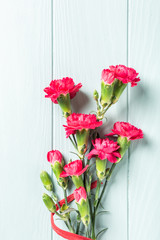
{"type": "Point", "coordinates": [97, 192]}
{"type": "Point", "coordinates": [87, 232]}
{"type": "Point", "coordinates": [70, 226]}
{"type": "Point", "coordinates": [58, 204]}
{"type": "Point", "coordinates": [93, 225]}
{"type": "Point", "coordinates": [65, 196]}
{"type": "Point", "coordinates": [105, 184]}
{"type": "Point", "coordinates": [78, 226]}
{"type": "Point", "coordinates": [105, 110]}
{"type": "Point", "coordinates": [100, 198]}
{"type": "Point", "coordinates": [90, 212]}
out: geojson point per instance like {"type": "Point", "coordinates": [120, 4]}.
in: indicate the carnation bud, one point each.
{"type": "Point", "coordinates": [46, 180]}
{"type": "Point", "coordinates": [64, 103]}
{"type": "Point", "coordinates": [49, 203]}
{"type": "Point", "coordinates": [101, 168]}
{"type": "Point", "coordinates": [81, 200]}
{"type": "Point", "coordinates": [95, 95]}
{"type": "Point", "coordinates": [124, 144]}
{"type": "Point", "coordinates": [106, 93]}
{"type": "Point", "coordinates": [82, 137]}
{"type": "Point", "coordinates": [118, 90]}
{"type": "Point", "coordinates": [58, 169]}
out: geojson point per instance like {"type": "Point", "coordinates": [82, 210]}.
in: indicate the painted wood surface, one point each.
{"type": "Point", "coordinates": [25, 129]}
{"type": "Point", "coordinates": [41, 40]}
{"type": "Point", "coordinates": [144, 111]}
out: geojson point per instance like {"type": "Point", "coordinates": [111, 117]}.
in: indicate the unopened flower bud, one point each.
{"type": "Point", "coordinates": [46, 180]}
{"type": "Point", "coordinates": [57, 163]}
{"type": "Point", "coordinates": [49, 203]}
{"type": "Point", "coordinates": [95, 95]}
{"type": "Point", "coordinates": [81, 200]}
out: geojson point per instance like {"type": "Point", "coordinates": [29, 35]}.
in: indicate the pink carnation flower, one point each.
{"type": "Point", "coordinates": [108, 76]}
{"type": "Point", "coordinates": [105, 149]}
{"type": "Point", "coordinates": [125, 129]}
{"type": "Point", "coordinates": [53, 156]}
{"type": "Point", "coordinates": [79, 121]}
{"type": "Point", "coordinates": [80, 194]}
{"type": "Point", "coordinates": [125, 74]}
{"type": "Point", "coordinates": [61, 86]}
{"type": "Point", "coordinates": [74, 168]}
{"type": "Point", "coordinates": [121, 72]}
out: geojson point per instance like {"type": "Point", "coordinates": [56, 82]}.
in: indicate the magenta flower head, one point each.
{"type": "Point", "coordinates": [55, 158]}
{"type": "Point", "coordinates": [81, 200]}
{"type": "Point", "coordinates": [61, 91]}
{"type": "Point", "coordinates": [114, 81]}
{"type": "Point", "coordinates": [75, 170]}
{"type": "Point", "coordinates": [80, 124]}
{"type": "Point", "coordinates": [125, 129]}
{"type": "Point", "coordinates": [104, 149]}
{"type": "Point", "coordinates": [125, 74]}
{"type": "Point", "coordinates": [126, 133]}
{"type": "Point", "coordinates": [107, 86]}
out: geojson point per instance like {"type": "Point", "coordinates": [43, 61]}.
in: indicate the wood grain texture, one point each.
{"type": "Point", "coordinates": [87, 37]}
{"type": "Point", "coordinates": [144, 111]}
{"type": "Point", "coordinates": [25, 128]}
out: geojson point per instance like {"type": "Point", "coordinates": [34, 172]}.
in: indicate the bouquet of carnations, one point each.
{"type": "Point", "coordinates": [91, 170]}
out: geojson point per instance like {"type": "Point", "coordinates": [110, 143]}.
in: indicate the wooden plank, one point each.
{"type": "Point", "coordinates": [25, 124]}
{"type": "Point", "coordinates": [144, 112]}
{"type": "Point", "coordinates": [87, 37]}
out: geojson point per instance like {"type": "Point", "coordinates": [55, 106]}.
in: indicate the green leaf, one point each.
{"type": "Point", "coordinates": [102, 206]}
{"type": "Point", "coordinates": [68, 211]}
{"type": "Point", "coordinates": [102, 231]}
{"type": "Point", "coordinates": [101, 212]}
{"type": "Point", "coordinates": [75, 154]}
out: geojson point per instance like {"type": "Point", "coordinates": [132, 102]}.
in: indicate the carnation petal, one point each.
{"type": "Point", "coordinates": [111, 158]}
{"type": "Point", "coordinates": [83, 170]}
{"type": "Point", "coordinates": [64, 174]}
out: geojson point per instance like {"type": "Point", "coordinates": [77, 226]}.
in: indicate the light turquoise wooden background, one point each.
{"type": "Point", "coordinates": [41, 40]}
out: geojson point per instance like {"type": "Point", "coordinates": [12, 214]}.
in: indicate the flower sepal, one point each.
{"type": "Point", "coordinates": [65, 104]}
{"type": "Point", "coordinates": [124, 144]}
{"type": "Point", "coordinates": [82, 137]}
{"type": "Point", "coordinates": [78, 181]}
{"type": "Point", "coordinates": [83, 208]}
{"type": "Point", "coordinates": [101, 168]}
{"type": "Point", "coordinates": [58, 169]}
{"type": "Point", "coordinates": [81, 200]}
{"type": "Point", "coordinates": [119, 87]}
{"type": "Point", "coordinates": [106, 93]}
